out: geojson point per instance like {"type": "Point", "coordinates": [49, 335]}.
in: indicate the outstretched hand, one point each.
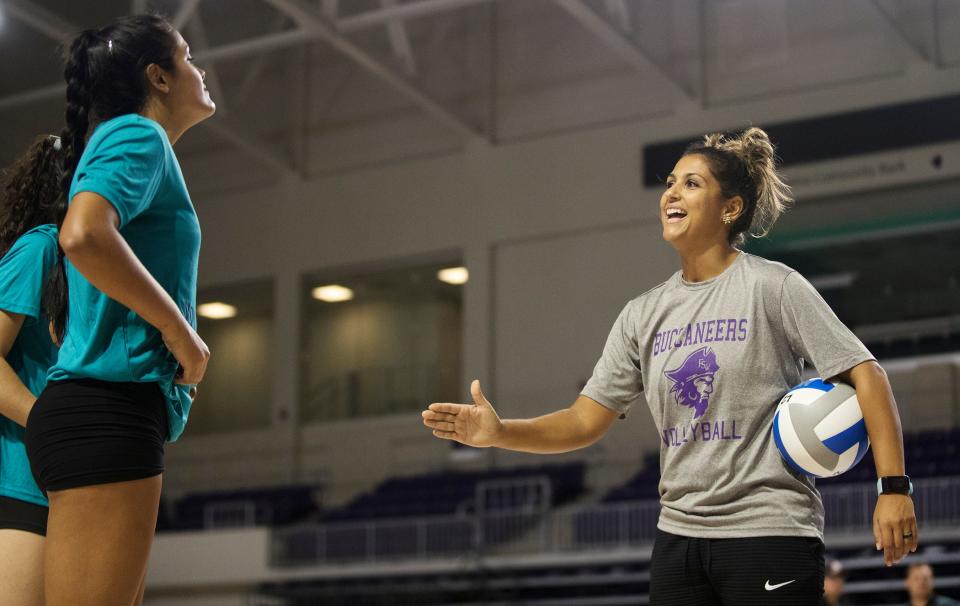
{"type": "Point", "coordinates": [474, 424]}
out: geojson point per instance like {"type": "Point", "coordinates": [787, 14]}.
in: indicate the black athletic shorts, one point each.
{"type": "Point", "coordinates": [82, 432]}
{"type": "Point", "coordinates": [21, 515]}
{"type": "Point", "coordinates": [762, 571]}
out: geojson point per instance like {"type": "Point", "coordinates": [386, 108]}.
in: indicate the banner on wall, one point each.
{"type": "Point", "coordinates": [853, 151]}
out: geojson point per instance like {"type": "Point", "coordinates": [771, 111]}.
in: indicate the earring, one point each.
{"type": "Point", "coordinates": [727, 220]}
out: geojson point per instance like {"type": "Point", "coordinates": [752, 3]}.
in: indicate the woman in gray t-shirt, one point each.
{"type": "Point", "coordinates": [713, 349]}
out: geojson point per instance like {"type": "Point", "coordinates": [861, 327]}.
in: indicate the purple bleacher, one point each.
{"type": "Point", "coordinates": [274, 506]}
{"type": "Point", "coordinates": [642, 485]}
{"type": "Point", "coordinates": [928, 453]}
{"type": "Point", "coordinates": [164, 516]}
{"type": "Point", "coordinates": [443, 493]}
{"type": "Point", "coordinates": [906, 347]}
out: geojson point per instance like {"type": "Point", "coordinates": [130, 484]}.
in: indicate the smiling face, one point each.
{"type": "Point", "coordinates": [693, 207]}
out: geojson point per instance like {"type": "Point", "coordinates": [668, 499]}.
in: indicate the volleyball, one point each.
{"type": "Point", "coordinates": [819, 430]}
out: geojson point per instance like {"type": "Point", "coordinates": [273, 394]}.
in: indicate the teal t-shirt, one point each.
{"type": "Point", "coordinates": [129, 162]}
{"type": "Point", "coordinates": [23, 271]}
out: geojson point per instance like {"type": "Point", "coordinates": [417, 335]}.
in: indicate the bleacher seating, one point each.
{"type": "Point", "coordinates": [273, 506]}
{"type": "Point", "coordinates": [443, 493]}
{"type": "Point", "coordinates": [643, 484]}
{"type": "Point", "coordinates": [574, 584]}
{"type": "Point", "coordinates": [602, 580]}
{"type": "Point", "coordinates": [907, 347]}
{"type": "Point", "coordinates": [869, 582]}
{"type": "Point", "coordinates": [929, 453]}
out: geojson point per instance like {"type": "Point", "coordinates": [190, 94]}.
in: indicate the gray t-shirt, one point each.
{"type": "Point", "coordinates": [714, 358]}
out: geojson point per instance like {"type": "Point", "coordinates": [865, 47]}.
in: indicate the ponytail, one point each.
{"type": "Point", "coordinates": [745, 165]}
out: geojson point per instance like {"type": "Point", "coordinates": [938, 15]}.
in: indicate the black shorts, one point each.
{"type": "Point", "coordinates": [762, 571]}
{"type": "Point", "coordinates": [21, 515]}
{"type": "Point", "coordinates": [82, 432]}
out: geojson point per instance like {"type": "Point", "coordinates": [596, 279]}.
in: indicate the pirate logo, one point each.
{"type": "Point", "coordinates": [693, 380]}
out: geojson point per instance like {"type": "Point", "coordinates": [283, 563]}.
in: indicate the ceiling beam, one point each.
{"type": "Point", "coordinates": [233, 134]}
{"type": "Point", "coordinates": [41, 20]}
{"type": "Point", "coordinates": [233, 50]}
{"type": "Point", "coordinates": [253, 73]}
{"type": "Point", "coordinates": [620, 14]}
{"type": "Point", "coordinates": [330, 8]}
{"type": "Point", "coordinates": [626, 49]}
{"type": "Point", "coordinates": [250, 144]}
{"type": "Point", "coordinates": [184, 13]}
{"type": "Point", "coordinates": [400, 41]}
{"type": "Point", "coordinates": [894, 27]}
{"type": "Point", "coordinates": [311, 22]}
{"type": "Point", "coordinates": [274, 41]}
{"type": "Point", "coordinates": [241, 140]}
{"type": "Point", "coordinates": [258, 45]}
{"type": "Point", "coordinates": [27, 97]}
{"type": "Point", "coordinates": [407, 10]}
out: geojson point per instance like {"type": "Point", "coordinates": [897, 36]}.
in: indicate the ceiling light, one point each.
{"type": "Point", "coordinates": [454, 275]}
{"type": "Point", "coordinates": [333, 293]}
{"type": "Point", "coordinates": [216, 311]}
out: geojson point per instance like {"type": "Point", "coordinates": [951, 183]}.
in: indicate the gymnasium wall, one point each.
{"type": "Point", "coordinates": [558, 234]}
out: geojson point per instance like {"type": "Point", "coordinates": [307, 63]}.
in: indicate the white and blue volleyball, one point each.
{"type": "Point", "coordinates": [819, 428]}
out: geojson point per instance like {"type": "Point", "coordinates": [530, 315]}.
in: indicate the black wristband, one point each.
{"type": "Point", "coordinates": [895, 485]}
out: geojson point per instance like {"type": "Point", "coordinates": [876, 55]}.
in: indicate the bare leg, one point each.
{"type": "Point", "coordinates": [21, 575]}
{"type": "Point", "coordinates": [98, 542]}
{"type": "Point", "coordinates": [143, 586]}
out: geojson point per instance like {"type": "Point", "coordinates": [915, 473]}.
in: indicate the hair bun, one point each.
{"type": "Point", "coordinates": [755, 150]}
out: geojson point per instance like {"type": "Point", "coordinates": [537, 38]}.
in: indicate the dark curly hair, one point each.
{"type": "Point", "coordinates": [30, 195]}
{"type": "Point", "coordinates": [105, 70]}
{"type": "Point", "coordinates": [30, 190]}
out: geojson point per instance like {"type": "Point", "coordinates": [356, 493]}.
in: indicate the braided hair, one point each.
{"type": "Point", "coordinates": [105, 71]}
{"type": "Point", "coordinates": [745, 165]}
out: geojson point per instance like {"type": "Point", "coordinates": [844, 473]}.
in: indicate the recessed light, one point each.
{"type": "Point", "coordinates": [332, 293]}
{"type": "Point", "coordinates": [217, 310]}
{"type": "Point", "coordinates": [454, 275]}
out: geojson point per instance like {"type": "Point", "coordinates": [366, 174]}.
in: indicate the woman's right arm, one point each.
{"type": "Point", "coordinates": [90, 238]}
{"type": "Point", "coordinates": [478, 424]}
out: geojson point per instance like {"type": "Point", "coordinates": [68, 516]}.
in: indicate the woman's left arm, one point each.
{"type": "Point", "coordinates": [894, 516]}
{"type": "Point", "coordinates": [15, 399]}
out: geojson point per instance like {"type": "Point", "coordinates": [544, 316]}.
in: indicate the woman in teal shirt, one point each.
{"type": "Point", "coordinates": [28, 251]}
{"type": "Point", "coordinates": [130, 351]}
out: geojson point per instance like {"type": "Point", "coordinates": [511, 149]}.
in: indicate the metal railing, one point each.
{"type": "Point", "coordinates": [532, 529]}
{"type": "Point", "coordinates": [850, 507]}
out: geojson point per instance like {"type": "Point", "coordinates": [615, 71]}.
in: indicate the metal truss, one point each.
{"type": "Point", "coordinates": [323, 21]}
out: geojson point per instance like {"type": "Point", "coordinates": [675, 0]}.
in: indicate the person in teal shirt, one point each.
{"type": "Point", "coordinates": [129, 162]}
{"type": "Point", "coordinates": [130, 354]}
{"type": "Point", "coordinates": [29, 192]}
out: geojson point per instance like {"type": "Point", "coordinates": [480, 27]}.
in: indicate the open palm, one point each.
{"type": "Point", "coordinates": [474, 424]}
